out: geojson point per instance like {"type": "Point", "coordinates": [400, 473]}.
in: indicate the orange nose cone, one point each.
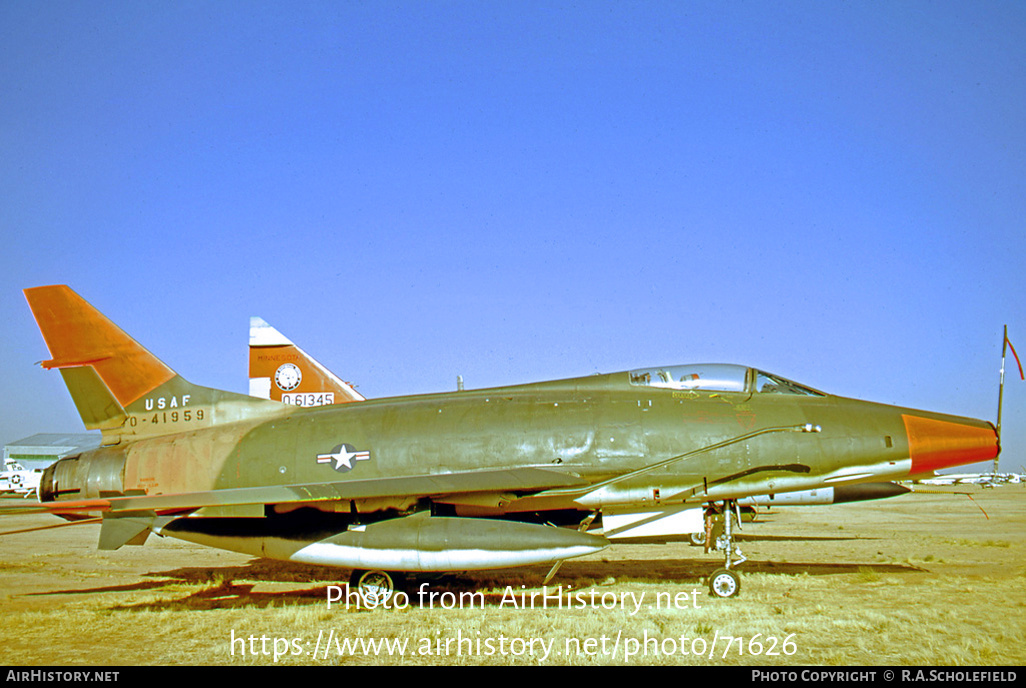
{"type": "Point", "coordinates": [934, 444]}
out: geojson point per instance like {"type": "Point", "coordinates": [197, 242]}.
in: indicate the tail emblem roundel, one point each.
{"type": "Point", "coordinates": [288, 376]}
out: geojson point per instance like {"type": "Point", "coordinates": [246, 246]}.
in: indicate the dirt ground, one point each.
{"type": "Point", "coordinates": [56, 581]}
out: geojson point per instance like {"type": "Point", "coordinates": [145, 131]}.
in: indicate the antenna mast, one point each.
{"type": "Point", "coordinates": [1001, 394]}
{"type": "Point", "coordinates": [1005, 345]}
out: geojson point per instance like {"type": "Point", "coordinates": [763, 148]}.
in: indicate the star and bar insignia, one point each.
{"type": "Point", "coordinates": [344, 457]}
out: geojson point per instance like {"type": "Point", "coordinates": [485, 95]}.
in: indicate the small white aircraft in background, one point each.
{"type": "Point", "coordinates": [18, 479]}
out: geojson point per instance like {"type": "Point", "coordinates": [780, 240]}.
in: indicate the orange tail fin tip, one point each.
{"type": "Point", "coordinates": [79, 335]}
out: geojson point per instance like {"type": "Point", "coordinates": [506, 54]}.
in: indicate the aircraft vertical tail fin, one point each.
{"type": "Point", "coordinates": [280, 370]}
{"type": "Point", "coordinates": [117, 385]}
{"type": "Point", "coordinates": [78, 335]}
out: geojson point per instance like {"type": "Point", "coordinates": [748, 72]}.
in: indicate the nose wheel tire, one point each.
{"type": "Point", "coordinates": [724, 583]}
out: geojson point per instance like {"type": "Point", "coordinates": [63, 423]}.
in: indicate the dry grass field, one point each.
{"type": "Point", "coordinates": [922, 579]}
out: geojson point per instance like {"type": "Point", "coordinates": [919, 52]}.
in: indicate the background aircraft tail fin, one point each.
{"type": "Point", "coordinates": [117, 385]}
{"type": "Point", "coordinates": [280, 370]}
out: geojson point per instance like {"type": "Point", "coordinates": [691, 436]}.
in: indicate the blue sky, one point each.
{"type": "Point", "coordinates": [834, 192]}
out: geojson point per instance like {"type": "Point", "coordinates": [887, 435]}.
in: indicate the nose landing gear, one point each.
{"type": "Point", "coordinates": [720, 521]}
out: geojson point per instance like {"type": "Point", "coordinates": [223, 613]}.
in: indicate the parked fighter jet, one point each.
{"type": "Point", "coordinates": [461, 480]}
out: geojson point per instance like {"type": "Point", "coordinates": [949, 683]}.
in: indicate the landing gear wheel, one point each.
{"type": "Point", "coordinates": [697, 539]}
{"type": "Point", "coordinates": [376, 587]}
{"type": "Point", "coordinates": [724, 583]}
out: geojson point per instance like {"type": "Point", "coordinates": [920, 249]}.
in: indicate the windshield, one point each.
{"type": "Point", "coordinates": [774, 384]}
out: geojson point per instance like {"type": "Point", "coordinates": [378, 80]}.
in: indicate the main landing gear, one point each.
{"type": "Point", "coordinates": [376, 587]}
{"type": "Point", "coordinates": [721, 519]}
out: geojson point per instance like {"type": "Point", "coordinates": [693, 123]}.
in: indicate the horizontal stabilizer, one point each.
{"type": "Point", "coordinates": [125, 530]}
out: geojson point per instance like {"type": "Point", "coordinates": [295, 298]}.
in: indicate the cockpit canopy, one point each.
{"type": "Point", "coordinates": [718, 377]}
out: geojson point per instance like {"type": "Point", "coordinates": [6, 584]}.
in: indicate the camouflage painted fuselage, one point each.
{"type": "Point", "coordinates": [592, 428]}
